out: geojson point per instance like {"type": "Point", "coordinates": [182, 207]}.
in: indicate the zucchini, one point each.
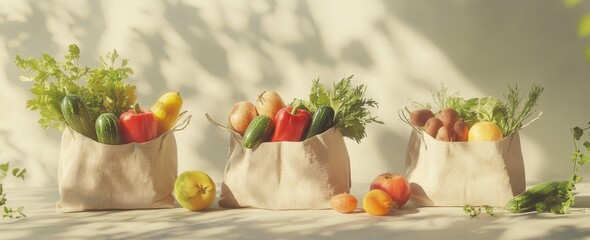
{"type": "Point", "coordinates": [321, 121]}
{"type": "Point", "coordinates": [107, 129]}
{"type": "Point", "coordinates": [527, 201]}
{"type": "Point", "coordinates": [259, 130]}
{"type": "Point", "coordinates": [77, 116]}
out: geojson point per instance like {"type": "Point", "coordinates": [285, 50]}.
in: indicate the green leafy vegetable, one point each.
{"type": "Point", "coordinates": [555, 197]}
{"type": "Point", "coordinates": [10, 212]}
{"type": "Point", "coordinates": [349, 104]}
{"type": "Point", "coordinates": [509, 114]}
{"type": "Point", "coordinates": [102, 88]}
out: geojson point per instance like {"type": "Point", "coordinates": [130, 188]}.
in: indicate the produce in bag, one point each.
{"type": "Point", "coordinates": [97, 171]}
{"type": "Point", "coordinates": [311, 148]}
{"type": "Point", "coordinates": [442, 163]}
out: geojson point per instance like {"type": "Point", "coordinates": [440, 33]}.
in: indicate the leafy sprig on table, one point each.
{"type": "Point", "coordinates": [351, 113]}
{"type": "Point", "coordinates": [10, 212]}
{"type": "Point", "coordinates": [474, 212]}
{"type": "Point", "coordinates": [101, 88]}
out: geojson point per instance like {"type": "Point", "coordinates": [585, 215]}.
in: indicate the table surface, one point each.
{"type": "Point", "coordinates": [218, 223]}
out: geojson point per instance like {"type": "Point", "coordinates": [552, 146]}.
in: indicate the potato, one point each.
{"type": "Point", "coordinates": [419, 117]}
{"type": "Point", "coordinates": [449, 117]}
{"type": "Point", "coordinates": [432, 125]}
{"type": "Point", "coordinates": [445, 134]}
{"type": "Point", "coordinates": [461, 131]}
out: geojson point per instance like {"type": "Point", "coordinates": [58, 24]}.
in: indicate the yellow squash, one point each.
{"type": "Point", "coordinates": [166, 111]}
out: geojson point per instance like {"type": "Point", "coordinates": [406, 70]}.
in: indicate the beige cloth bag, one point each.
{"type": "Point", "coordinates": [286, 175]}
{"type": "Point", "coordinates": [96, 176]}
{"type": "Point", "coordinates": [459, 173]}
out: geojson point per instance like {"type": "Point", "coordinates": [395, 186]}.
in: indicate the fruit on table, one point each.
{"type": "Point", "coordinates": [108, 129]}
{"type": "Point", "coordinates": [77, 116]}
{"type": "Point", "coordinates": [258, 131]}
{"type": "Point", "coordinates": [484, 131]}
{"type": "Point", "coordinates": [166, 111]}
{"type": "Point", "coordinates": [269, 103]}
{"type": "Point", "coordinates": [194, 190]}
{"type": "Point", "coordinates": [240, 116]}
{"type": "Point", "coordinates": [344, 203]}
{"type": "Point", "coordinates": [138, 125]}
{"type": "Point", "coordinates": [395, 185]}
{"type": "Point", "coordinates": [419, 117]}
{"type": "Point", "coordinates": [291, 124]}
{"type": "Point", "coordinates": [377, 202]}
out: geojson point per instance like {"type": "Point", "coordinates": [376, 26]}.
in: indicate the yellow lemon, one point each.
{"type": "Point", "coordinates": [484, 131]}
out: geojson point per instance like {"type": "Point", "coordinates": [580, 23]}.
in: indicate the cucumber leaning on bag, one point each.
{"type": "Point", "coordinates": [321, 121]}
{"type": "Point", "coordinates": [107, 129]}
{"type": "Point", "coordinates": [258, 131]}
{"type": "Point", "coordinates": [77, 116]}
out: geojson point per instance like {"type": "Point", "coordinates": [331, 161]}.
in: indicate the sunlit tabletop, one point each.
{"type": "Point", "coordinates": [43, 222]}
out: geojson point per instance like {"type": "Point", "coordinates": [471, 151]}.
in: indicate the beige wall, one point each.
{"type": "Point", "coordinates": [220, 52]}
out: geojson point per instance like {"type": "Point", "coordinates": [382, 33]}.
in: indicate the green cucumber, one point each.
{"type": "Point", "coordinates": [321, 121]}
{"type": "Point", "coordinates": [107, 129]}
{"type": "Point", "coordinates": [259, 130]}
{"type": "Point", "coordinates": [77, 116]}
{"type": "Point", "coordinates": [527, 200]}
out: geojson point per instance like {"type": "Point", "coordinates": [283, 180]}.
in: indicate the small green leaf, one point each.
{"type": "Point", "coordinates": [576, 178]}
{"type": "Point", "coordinates": [471, 211]}
{"type": "Point", "coordinates": [571, 3]}
{"type": "Point", "coordinates": [4, 167]}
{"type": "Point", "coordinates": [584, 26]}
{"type": "Point", "coordinates": [584, 159]}
{"type": "Point", "coordinates": [578, 132]}
{"type": "Point", "coordinates": [489, 210]}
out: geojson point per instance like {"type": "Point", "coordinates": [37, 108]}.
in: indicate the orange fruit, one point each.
{"type": "Point", "coordinates": [343, 203]}
{"type": "Point", "coordinates": [377, 202]}
{"type": "Point", "coordinates": [484, 131]}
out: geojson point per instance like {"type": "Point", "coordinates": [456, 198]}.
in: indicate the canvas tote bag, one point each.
{"type": "Point", "coordinates": [285, 175]}
{"type": "Point", "coordinates": [96, 176]}
{"type": "Point", "coordinates": [459, 173]}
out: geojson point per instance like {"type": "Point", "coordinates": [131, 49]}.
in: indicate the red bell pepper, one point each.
{"type": "Point", "coordinates": [138, 126]}
{"type": "Point", "coordinates": [291, 124]}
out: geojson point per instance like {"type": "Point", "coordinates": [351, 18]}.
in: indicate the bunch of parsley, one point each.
{"type": "Point", "coordinates": [101, 88]}
{"type": "Point", "coordinates": [351, 113]}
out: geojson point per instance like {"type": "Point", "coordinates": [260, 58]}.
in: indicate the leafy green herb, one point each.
{"type": "Point", "coordinates": [349, 104]}
{"type": "Point", "coordinates": [515, 113]}
{"type": "Point", "coordinates": [508, 115]}
{"type": "Point", "coordinates": [473, 211]}
{"type": "Point", "coordinates": [102, 88]}
{"type": "Point", "coordinates": [9, 212]}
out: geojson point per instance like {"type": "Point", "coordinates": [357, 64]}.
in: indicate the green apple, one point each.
{"type": "Point", "coordinates": [194, 190]}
